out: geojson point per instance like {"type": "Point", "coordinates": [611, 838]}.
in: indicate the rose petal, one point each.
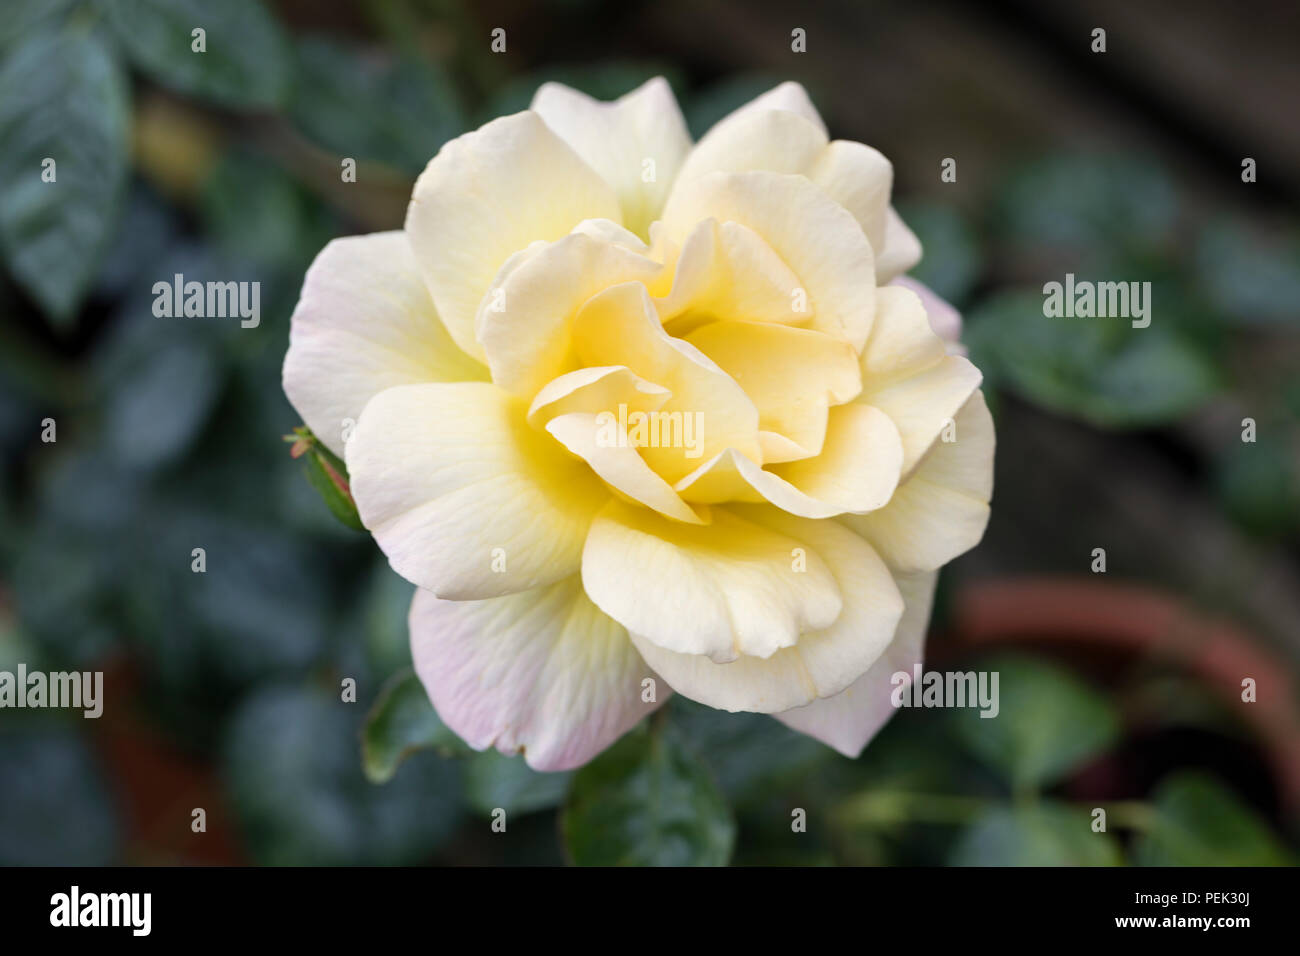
{"type": "Point", "coordinates": [721, 590]}
{"type": "Point", "coordinates": [857, 471]}
{"type": "Point", "coordinates": [616, 139]}
{"type": "Point", "coordinates": [364, 323]}
{"type": "Point", "coordinates": [848, 720]}
{"type": "Point", "coordinates": [618, 462]}
{"type": "Point", "coordinates": [941, 511]}
{"type": "Point", "coordinates": [815, 236]}
{"type": "Point", "coordinates": [486, 196]}
{"type": "Point", "coordinates": [542, 671]}
{"type": "Point", "coordinates": [792, 375]}
{"type": "Point", "coordinates": [621, 327]}
{"type": "Point", "coordinates": [524, 323]}
{"type": "Point", "coordinates": [464, 498]}
{"type": "Point", "coordinates": [944, 319]}
{"type": "Point", "coordinates": [824, 661]}
{"type": "Point", "coordinates": [788, 96]}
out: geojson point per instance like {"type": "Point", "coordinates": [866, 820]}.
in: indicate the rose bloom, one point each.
{"type": "Point", "coordinates": [641, 416]}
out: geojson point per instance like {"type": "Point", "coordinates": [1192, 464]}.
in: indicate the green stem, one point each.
{"type": "Point", "coordinates": [897, 807]}
{"type": "Point", "coordinates": [886, 807]}
{"type": "Point", "coordinates": [1131, 814]}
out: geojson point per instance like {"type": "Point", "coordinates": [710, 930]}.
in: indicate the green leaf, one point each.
{"type": "Point", "coordinates": [327, 474]}
{"type": "Point", "coordinates": [384, 610]}
{"type": "Point", "coordinates": [747, 754]}
{"type": "Point", "coordinates": [951, 263]}
{"type": "Point", "coordinates": [51, 781]}
{"type": "Point", "coordinates": [25, 17]}
{"type": "Point", "coordinates": [1100, 370]}
{"type": "Point", "coordinates": [401, 722]}
{"type": "Point", "coordinates": [260, 609]}
{"type": "Point", "coordinates": [153, 415]}
{"type": "Point", "coordinates": [1048, 724]}
{"type": "Point", "coordinates": [395, 111]}
{"type": "Point", "coordinates": [1198, 822]}
{"type": "Point", "coordinates": [290, 765]}
{"type": "Point", "coordinates": [255, 212]}
{"type": "Point", "coordinates": [1084, 202]}
{"type": "Point", "coordinates": [62, 97]}
{"type": "Point", "coordinates": [63, 591]}
{"type": "Point", "coordinates": [1250, 277]}
{"type": "Point", "coordinates": [330, 479]}
{"type": "Point", "coordinates": [1044, 834]}
{"type": "Point", "coordinates": [246, 63]}
{"type": "Point", "coordinates": [1158, 378]}
{"type": "Point", "coordinates": [1259, 485]}
{"type": "Point", "coordinates": [494, 780]}
{"type": "Point", "coordinates": [647, 802]}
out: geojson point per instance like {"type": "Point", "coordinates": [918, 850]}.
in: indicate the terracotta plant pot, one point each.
{"type": "Point", "coordinates": [1132, 621]}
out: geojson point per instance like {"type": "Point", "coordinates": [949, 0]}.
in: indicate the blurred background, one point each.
{"type": "Point", "coordinates": [1120, 690]}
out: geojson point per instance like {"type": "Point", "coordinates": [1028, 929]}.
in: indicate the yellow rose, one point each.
{"type": "Point", "coordinates": [639, 416]}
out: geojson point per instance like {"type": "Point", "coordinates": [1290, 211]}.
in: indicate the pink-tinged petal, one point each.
{"type": "Point", "coordinates": [543, 672]}
{"type": "Point", "coordinates": [364, 323]}
{"type": "Point", "coordinates": [852, 717]}
{"type": "Point", "coordinates": [943, 318]}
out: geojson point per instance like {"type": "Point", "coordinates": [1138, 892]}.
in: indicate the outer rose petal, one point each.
{"type": "Point", "coordinates": [922, 405]}
{"type": "Point", "coordinates": [781, 132]}
{"type": "Point", "coordinates": [902, 343]}
{"type": "Point", "coordinates": [824, 662]}
{"type": "Point", "coordinates": [789, 96]}
{"type": "Point", "coordinates": [542, 671]}
{"type": "Point", "coordinates": [485, 197]}
{"type": "Point", "coordinates": [723, 590]}
{"type": "Point", "coordinates": [773, 140]}
{"type": "Point", "coordinates": [445, 474]}
{"type": "Point", "coordinates": [364, 323]}
{"type": "Point", "coordinates": [907, 374]}
{"type": "Point", "coordinates": [848, 720]}
{"type": "Point", "coordinates": [900, 249]}
{"type": "Point", "coordinates": [942, 509]}
{"type": "Point", "coordinates": [944, 319]}
{"type": "Point", "coordinates": [617, 138]}
{"type": "Point", "coordinates": [860, 179]}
